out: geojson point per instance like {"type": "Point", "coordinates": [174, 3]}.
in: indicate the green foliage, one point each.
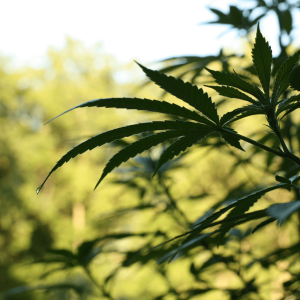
{"type": "Point", "coordinates": [198, 210]}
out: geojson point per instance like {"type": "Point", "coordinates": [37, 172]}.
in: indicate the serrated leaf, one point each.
{"type": "Point", "coordinates": [120, 133]}
{"type": "Point", "coordinates": [143, 104]}
{"type": "Point", "coordinates": [230, 92]}
{"type": "Point", "coordinates": [141, 146]}
{"type": "Point", "coordinates": [263, 224]}
{"type": "Point", "coordinates": [287, 104]}
{"type": "Point", "coordinates": [234, 80]}
{"type": "Point", "coordinates": [294, 78]}
{"type": "Point", "coordinates": [231, 140]}
{"type": "Point", "coordinates": [262, 60]}
{"type": "Point", "coordinates": [282, 78]}
{"type": "Point", "coordinates": [185, 91]}
{"type": "Point", "coordinates": [244, 111]}
{"type": "Point", "coordinates": [282, 211]}
{"type": "Point", "coordinates": [243, 205]}
{"type": "Point", "coordinates": [292, 108]}
{"type": "Point", "coordinates": [178, 146]}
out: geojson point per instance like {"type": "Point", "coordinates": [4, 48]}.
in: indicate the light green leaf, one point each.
{"type": "Point", "coordinates": [143, 104]}
{"type": "Point", "coordinates": [230, 92]}
{"type": "Point", "coordinates": [119, 133]}
{"type": "Point", "coordinates": [282, 78]}
{"type": "Point", "coordinates": [185, 91]}
{"type": "Point", "coordinates": [282, 211]}
{"type": "Point", "coordinates": [234, 80]}
{"type": "Point", "coordinates": [141, 146]}
{"type": "Point", "coordinates": [262, 60]}
{"type": "Point", "coordinates": [178, 146]}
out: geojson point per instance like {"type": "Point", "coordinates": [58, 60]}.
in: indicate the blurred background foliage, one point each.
{"type": "Point", "coordinates": [73, 243]}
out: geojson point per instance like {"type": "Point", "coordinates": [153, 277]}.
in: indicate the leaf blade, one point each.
{"type": "Point", "coordinates": [119, 133]}
{"type": "Point", "coordinates": [185, 91]}
{"type": "Point", "coordinates": [143, 104]}
{"type": "Point", "coordinates": [138, 147]}
{"type": "Point", "coordinates": [262, 60]}
{"type": "Point", "coordinates": [178, 146]}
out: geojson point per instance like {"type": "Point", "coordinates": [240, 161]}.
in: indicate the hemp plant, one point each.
{"type": "Point", "coordinates": [194, 125]}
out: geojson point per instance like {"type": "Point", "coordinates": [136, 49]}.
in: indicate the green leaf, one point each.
{"type": "Point", "coordinates": [263, 224]}
{"type": "Point", "coordinates": [282, 179]}
{"type": "Point", "coordinates": [190, 243]}
{"type": "Point", "coordinates": [262, 60]}
{"type": "Point", "coordinates": [243, 205]}
{"type": "Point", "coordinates": [291, 109]}
{"type": "Point", "coordinates": [143, 104]}
{"type": "Point", "coordinates": [282, 78]}
{"type": "Point", "coordinates": [244, 112]}
{"type": "Point", "coordinates": [294, 78]}
{"type": "Point", "coordinates": [178, 146]}
{"type": "Point", "coordinates": [141, 146]}
{"type": "Point", "coordinates": [230, 92]}
{"type": "Point", "coordinates": [185, 91]}
{"type": "Point", "coordinates": [234, 80]}
{"type": "Point", "coordinates": [122, 132]}
{"type": "Point", "coordinates": [231, 140]}
{"type": "Point", "coordinates": [282, 211]}
{"type": "Point", "coordinates": [287, 104]}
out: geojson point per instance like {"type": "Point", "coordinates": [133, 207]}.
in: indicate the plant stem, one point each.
{"type": "Point", "coordinates": [287, 154]}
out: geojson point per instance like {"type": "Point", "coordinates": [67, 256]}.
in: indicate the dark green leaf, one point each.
{"type": "Point", "coordinates": [244, 204]}
{"type": "Point", "coordinates": [282, 179]}
{"type": "Point", "coordinates": [143, 145]}
{"type": "Point", "coordinates": [294, 78]}
{"type": "Point", "coordinates": [287, 104]}
{"type": "Point", "coordinates": [234, 80]}
{"type": "Point", "coordinates": [120, 133]}
{"type": "Point", "coordinates": [282, 78]}
{"type": "Point", "coordinates": [184, 246]}
{"type": "Point", "coordinates": [230, 92]}
{"type": "Point", "coordinates": [282, 211]}
{"type": "Point", "coordinates": [262, 60]}
{"type": "Point", "coordinates": [263, 224]}
{"type": "Point", "coordinates": [143, 104]}
{"type": "Point", "coordinates": [178, 146]}
{"type": "Point", "coordinates": [184, 91]}
{"type": "Point", "coordinates": [231, 140]}
{"type": "Point", "coordinates": [244, 112]}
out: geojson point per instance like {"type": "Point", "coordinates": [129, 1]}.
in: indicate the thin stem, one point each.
{"type": "Point", "coordinates": [287, 154]}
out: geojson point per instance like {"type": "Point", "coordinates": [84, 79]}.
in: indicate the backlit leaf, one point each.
{"type": "Point", "coordinates": [120, 133]}
{"type": "Point", "coordinates": [185, 91]}
{"type": "Point", "coordinates": [282, 78]}
{"type": "Point", "coordinates": [234, 80]}
{"type": "Point", "coordinates": [230, 92]}
{"type": "Point", "coordinates": [178, 146]}
{"type": "Point", "coordinates": [143, 104]}
{"type": "Point", "coordinates": [141, 146]}
{"type": "Point", "coordinates": [262, 60]}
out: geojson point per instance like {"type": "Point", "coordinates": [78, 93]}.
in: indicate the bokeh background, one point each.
{"type": "Point", "coordinates": [71, 242]}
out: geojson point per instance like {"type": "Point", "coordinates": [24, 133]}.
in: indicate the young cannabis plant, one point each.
{"type": "Point", "coordinates": [204, 120]}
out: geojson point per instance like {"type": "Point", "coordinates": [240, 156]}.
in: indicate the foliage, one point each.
{"type": "Point", "coordinates": [169, 207]}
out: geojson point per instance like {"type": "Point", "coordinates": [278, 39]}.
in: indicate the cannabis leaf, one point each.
{"type": "Point", "coordinates": [184, 91]}
{"type": "Point", "coordinates": [262, 60]}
